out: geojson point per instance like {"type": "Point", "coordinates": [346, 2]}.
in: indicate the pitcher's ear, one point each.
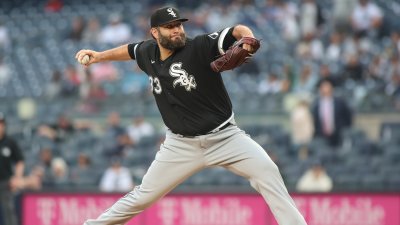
{"type": "Point", "coordinates": [154, 33]}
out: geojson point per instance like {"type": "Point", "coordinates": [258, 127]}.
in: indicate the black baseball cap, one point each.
{"type": "Point", "coordinates": [165, 15]}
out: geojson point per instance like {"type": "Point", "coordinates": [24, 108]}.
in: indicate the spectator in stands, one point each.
{"type": "Point", "coordinates": [268, 10]}
{"type": "Point", "coordinates": [315, 179]}
{"type": "Point", "coordinates": [62, 129]}
{"type": "Point", "coordinates": [334, 51]}
{"type": "Point", "coordinates": [58, 131]}
{"type": "Point", "coordinates": [393, 88]}
{"type": "Point", "coordinates": [342, 10]}
{"type": "Point", "coordinates": [51, 171]}
{"type": "Point", "coordinates": [114, 127]}
{"type": "Point", "coordinates": [289, 77]}
{"type": "Point", "coordinates": [77, 28]}
{"type": "Point", "coordinates": [83, 174]}
{"type": "Point", "coordinates": [325, 73]}
{"type": "Point", "coordinates": [287, 17]}
{"type": "Point", "coordinates": [5, 41]}
{"type": "Point", "coordinates": [141, 26]}
{"type": "Point", "coordinates": [355, 44]}
{"type": "Point", "coordinates": [91, 93]}
{"type": "Point", "coordinates": [119, 141]}
{"type": "Point", "coordinates": [116, 32]}
{"type": "Point", "coordinates": [353, 69]}
{"type": "Point", "coordinates": [139, 129]}
{"type": "Point", "coordinates": [104, 72]}
{"type": "Point", "coordinates": [392, 68]}
{"type": "Point", "coordinates": [5, 74]}
{"type": "Point", "coordinates": [71, 81]}
{"type": "Point", "coordinates": [45, 131]}
{"type": "Point", "coordinates": [302, 124]}
{"type": "Point", "coordinates": [53, 6]}
{"type": "Point", "coordinates": [366, 18]}
{"type": "Point", "coordinates": [59, 173]}
{"type": "Point", "coordinates": [310, 17]}
{"type": "Point", "coordinates": [271, 85]}
{"type": "Point", "coordinates": [330, 114]}
{"type": "Point", "coordinates": [310, 48]}
{"type": "Point", "coordinates": [116, 178]}
{"type": "Point", "coordinates": [220, 15]}
{"type": "Point", "coordinates": [43, 166]}
{"type": "Point", "coordinates": [396, 96]}
{"type": "Point", "coordinates": [395, 43]}
{"type": "Point", "coordinates": [377, 69]}
{"type": "Point", "coordinates": [92, 31]}
{"type": "Point", "coordinates": [53, 89]}
{"type": "Point", "coordinates": [97, 92]}
{"type": "Point", "coordinates": [306, 82]}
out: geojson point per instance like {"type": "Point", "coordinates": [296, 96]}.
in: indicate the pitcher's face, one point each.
{"type": "Point", "coordinates": [171, 36]}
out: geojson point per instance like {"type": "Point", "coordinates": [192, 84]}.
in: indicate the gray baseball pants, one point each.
{"type": "Point", "coordinates": [180, 157]}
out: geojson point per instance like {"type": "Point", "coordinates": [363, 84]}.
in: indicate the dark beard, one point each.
{"type": "Point", "coordinates": [167, 43]}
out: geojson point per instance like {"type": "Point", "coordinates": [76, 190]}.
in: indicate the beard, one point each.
{"type": "Point", "coordinates": [169, 44]}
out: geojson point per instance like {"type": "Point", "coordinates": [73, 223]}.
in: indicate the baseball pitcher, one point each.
{"type": "Point", "coordinates": [185, 78]}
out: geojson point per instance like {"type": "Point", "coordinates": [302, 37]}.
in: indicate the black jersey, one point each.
{"type": "Point", "coordinates": [192, 98]}
{"type": "Point", "coordinates": [9, 154]}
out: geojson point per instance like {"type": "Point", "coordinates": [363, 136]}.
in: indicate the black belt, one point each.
{"type": "Point", "coordinates": [210, 132]}
{"type": "Point", "coordinates": [219, 129]}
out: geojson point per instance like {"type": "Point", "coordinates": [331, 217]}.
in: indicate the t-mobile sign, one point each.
{"type": "Point", "coordinates": [66, 209]}
{"type": "Point", "coordinates": [214, 209]}
{"type": "Point", "coordinates": [208, 210]}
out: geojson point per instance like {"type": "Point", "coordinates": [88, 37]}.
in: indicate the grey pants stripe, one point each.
{"type": "Point", "coordinates": [7, 205]}
{"type": "Point", "coordinates": [181, 157]}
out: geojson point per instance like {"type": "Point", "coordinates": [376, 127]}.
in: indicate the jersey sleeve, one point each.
{"type": "Point", "coordinates": [132, 50]}
{"type": "Point", "coordinates": [141, 53]}
{"type": "Point", "coordinates": [215, 44]}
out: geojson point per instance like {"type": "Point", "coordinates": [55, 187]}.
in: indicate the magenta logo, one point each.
{"type": "Point", "coordinates": [214, 209]}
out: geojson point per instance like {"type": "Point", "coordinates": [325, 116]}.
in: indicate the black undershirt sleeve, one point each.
{"type": "Point", "coordinates": [229, 39]}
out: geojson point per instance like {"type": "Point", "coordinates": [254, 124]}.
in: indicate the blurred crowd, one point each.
{"type": "Point", "coordinates": [57, 161]}
{"type": "Point", "coordinates": [350, 42]}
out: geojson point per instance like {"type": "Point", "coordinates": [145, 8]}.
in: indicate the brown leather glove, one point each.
{"type": "Point", "coordinates": [236, 55]}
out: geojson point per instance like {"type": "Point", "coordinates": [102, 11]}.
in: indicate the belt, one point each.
{"type": "Point", "coordinates": [219, 129]}
{"type": "Point", "coordinates": [210, 132]}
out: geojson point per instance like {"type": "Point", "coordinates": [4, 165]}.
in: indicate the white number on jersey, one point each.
{"type": "Point", "coordinates": [155, 85]}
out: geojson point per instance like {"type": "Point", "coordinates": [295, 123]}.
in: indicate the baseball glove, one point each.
{"type": "Point", "coordinates": [236, 55]}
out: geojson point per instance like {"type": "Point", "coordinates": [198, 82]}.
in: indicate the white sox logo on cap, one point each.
{"type": "Point", "coordinates": [171, 12]}
{"type": "Point", "coordinates": [165, 15]}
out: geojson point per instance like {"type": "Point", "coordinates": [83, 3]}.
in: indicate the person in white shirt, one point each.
{"type": "Point", "coordinates": [5, 74]}
{"type": "Point", "coordinates": [308, 17]}
{"type": "Point", "coordinates": [116, 32]}
{"type": "Point", "coordinates": [315, 179]}
{"type": "Point", "coordinates": [301, 121]}
{"type": "Point", "coordinates": [5, 41]}
{"type": "Point", "coordinates": [270, 85]}
{"type": "Point", "coordinates": [366, 17]}
{"type": "Point", "coordinates": [139, 129]}
{"type": "Point", "coordinates": [116, 178]}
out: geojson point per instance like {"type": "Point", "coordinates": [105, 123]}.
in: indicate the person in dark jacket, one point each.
{"type": "Point", "coordinates": [331, 114]}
